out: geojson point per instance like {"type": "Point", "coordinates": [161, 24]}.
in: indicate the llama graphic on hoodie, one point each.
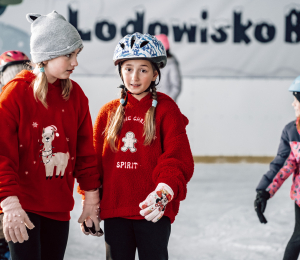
{"type": "Point", "coordinates": [50, 159]}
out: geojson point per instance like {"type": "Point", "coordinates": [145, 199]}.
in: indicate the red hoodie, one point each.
{"type": "Point", "coordinates": [131, 173]}
{"type": "Point", "coordinates": [42, 150]}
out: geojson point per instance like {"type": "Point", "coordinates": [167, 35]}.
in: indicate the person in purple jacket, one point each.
{"type": "Point", "coordinates": [284, 164]}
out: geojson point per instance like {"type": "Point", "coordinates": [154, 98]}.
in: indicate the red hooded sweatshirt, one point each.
{"type": "Point", "coordinates": [134, 171]}
{"type": "Point", "coordinates": [43, 149]}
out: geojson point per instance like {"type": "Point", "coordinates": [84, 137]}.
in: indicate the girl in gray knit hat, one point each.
{"type": "Point", "coordinates": [46, 142]}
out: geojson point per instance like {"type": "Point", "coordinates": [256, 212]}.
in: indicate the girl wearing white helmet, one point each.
{"type": "Point", "coordinates": [46, 142]}
{"type": "Point", "coordinates": [284, 164]}
{"type": "Point", "coordinates": [144, 156]}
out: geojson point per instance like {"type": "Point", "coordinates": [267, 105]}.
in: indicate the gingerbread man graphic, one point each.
{"type": "Point", "coordinates": [129, 142]}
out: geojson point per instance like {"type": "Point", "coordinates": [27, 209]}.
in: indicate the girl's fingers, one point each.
{"type": "Point", "coordinates": [152, 215]}
{"type": "Point", "coordinates": [18, 235]}
{"type": "Point", "coordinates": [89, 222]}
{"type": "Point", "coordinates": [24, 232]}
{"type": "Point", "coordinates": [148, 201]}
{"type": "Point", "coordinates": [95, 220]}
{"type": "Point", "coordinates": [12, 235]}
{"type": "Point", "coordinates": [158, 217]}
{"type": "Point", "coordinates": [6, 234]}
{"type": "Point", "coordinates": [27, 221]}
{"type": "Point", "coordinates": [143, 205]}
{"type": "Point", "coordinates": [263, 206]}
{"type": "Point", "coordinates": [100, 233]}
{"type": "Point", "coordinates": [84, 229]}
{"type": "Point", "coordinates": [148, 210]}
{"type": "Point", "coordinates": [83, 216]}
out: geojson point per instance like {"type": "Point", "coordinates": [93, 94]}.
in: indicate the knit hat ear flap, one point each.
{"type": "Point", "coordinates": [32, 17]}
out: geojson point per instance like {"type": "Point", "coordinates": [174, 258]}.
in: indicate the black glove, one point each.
{"type": "Point", "coordinates": [260, 204]}
{"type": "Point", "coordinates": [91, 229]}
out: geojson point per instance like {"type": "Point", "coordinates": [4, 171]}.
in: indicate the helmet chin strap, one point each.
{"type": "Point", "coordinates": [126, 91]}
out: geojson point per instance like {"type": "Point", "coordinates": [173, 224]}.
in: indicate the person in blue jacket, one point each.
{"type": "Point", "coordinates": [284, 164]}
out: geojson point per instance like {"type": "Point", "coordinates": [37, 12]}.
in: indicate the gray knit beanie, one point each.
{"type": "Point", "coordinates": [52, 36]}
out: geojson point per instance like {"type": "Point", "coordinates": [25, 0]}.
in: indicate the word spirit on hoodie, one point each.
{"type": "Point", "coordinates": [135, 118]}
{"type": "Point", "coordinates": [127, 165]}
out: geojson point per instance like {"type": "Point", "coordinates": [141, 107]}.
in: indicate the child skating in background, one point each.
{"type": "Point", "coordinates": [46, 142]}
{"type": "Point", "coordinates": [11, 63]}
{"type": "Point", "coordinates": [285, 163]}
{"type": "Point", "coordinates": [143, 153]}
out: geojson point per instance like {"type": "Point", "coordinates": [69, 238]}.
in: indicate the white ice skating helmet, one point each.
{"type": "Point", "coordinates": [295, 87]}
{"type": "Point", "coordinates": [140, 46]}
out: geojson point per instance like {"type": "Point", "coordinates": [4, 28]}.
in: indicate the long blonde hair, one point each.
{"type": "Point", "coordinates": [40, 86]}
{"type": "Point", "coordinates": [116, 121]}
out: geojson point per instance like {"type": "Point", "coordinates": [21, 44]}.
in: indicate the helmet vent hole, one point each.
{"type": "Point", "coordinates": [144, 43]}
{"type": "Point", "coordinates": [132, 41]}
{"type": "Point", "coordinates": [122, 45]}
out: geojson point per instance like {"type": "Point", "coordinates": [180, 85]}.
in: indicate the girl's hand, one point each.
{"type": "Point", "coordinates": [153, 208]}
{"type": "Point", "coordinates": [15, 220]}
{"type": "Point", "coordinates": [260, 204]}
{"type": "Point", "coordinates": [88, 228]}
{"type": "Point", "coordinates": [90, 219]}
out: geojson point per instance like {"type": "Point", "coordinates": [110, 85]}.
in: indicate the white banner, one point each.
{"type": "Point", "coordinates": [210, 38]}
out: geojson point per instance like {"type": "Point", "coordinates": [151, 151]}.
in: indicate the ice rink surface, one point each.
{"type": "Point", "coordinates": [216, 221]}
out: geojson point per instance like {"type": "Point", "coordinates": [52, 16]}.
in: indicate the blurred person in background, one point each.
{"type": "Point", "coordinates": [11, 63]}
{"type": "Point", "coordinates": [46, 142]}
{"type": "Point", "coordinates": [284, 164]}
{"type": "Point", "coordinates": [170, 83]}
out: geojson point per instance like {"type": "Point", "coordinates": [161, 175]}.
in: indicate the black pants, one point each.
{"type": "Point", "coordinates": [124, 236]}
{"type": "Point", "coordinates": [47, 240]}
{"type": "Point", "coordinates": [293, 247]}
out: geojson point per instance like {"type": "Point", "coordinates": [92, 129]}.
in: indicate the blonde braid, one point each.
{"type": "Point", "coordinates": [40, 84]}
{"type": "Point", "coordinates": [150, 125]}
{"type": "Point", "coordinates": [115, 125]}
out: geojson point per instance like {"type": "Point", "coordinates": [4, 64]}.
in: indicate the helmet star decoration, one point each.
{"type": "Point", "coordinates": [35, 124]}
